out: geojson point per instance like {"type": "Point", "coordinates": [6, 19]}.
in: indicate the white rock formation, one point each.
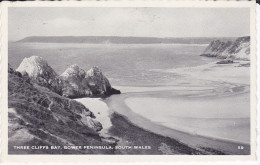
{"type": "Point", "coordinates": [41, 73]}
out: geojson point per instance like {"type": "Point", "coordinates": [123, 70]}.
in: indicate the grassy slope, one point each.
{"type": "Point", "coordinates": [37, 116]}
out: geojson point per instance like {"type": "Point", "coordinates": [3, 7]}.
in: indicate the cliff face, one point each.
{"type": "Point", "coordinates": [78, 83]}
{"type": "Point", "coordinates": [73, 83]}
{"type": "Point", "coordinates": [238, 49]}
{"type": "Point", "coordinates": [99, 84]}
{"type": "Point", "coordinates": [38, 116]}
{"type": "Point", "coordinates": [40, 73]}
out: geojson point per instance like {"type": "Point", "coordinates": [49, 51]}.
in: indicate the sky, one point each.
{"type": "Point", "coordinates": [143, 22]}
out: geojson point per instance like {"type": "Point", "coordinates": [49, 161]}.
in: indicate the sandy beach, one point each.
{"type": "Point", "coordinates": [100, 110]}
{"type": "Point", "coordinates": [213, 114]}
{"type": "Point", "coordinates": [210, 118]}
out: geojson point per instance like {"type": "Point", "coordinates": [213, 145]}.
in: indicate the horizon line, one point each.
{"type": "Point", "coordinates": [128, 37]}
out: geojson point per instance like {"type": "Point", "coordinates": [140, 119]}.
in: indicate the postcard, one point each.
{"type": "Point", "coordinates": [128, 81]}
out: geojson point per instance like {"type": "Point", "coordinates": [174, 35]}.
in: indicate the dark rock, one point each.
{"type": "Point", "coordinates": [225, 62]}
{"type": "Point", "coordinates": [112, 91]}
{"type": "Point", "coordinates": [12, 71]}
{"type": "Point", "coordinates": [244, 65]}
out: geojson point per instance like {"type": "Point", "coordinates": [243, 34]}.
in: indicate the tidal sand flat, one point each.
{"type": "Point", "coordinates": [146, 127]}
{"type": "Point", "coordinates": [232, 73]}
{"type": "Point", "coordinates": [215, 116]}
{"type": "Point", "coordinates": [206, 117]}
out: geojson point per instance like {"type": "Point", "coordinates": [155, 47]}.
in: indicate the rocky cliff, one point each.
{"type": "Point", "coordinates": [38, 116]}
{"type": "Point", "coordinates": [73, 83]}
{"type": "Point", "coordinates": [238, 49]}
{"type": "Point", "coordinates": [40, 73]}
{"type": "Point", "coordinates": [78, 83]}
{"type": "Point", "coordinates": [99, 84]}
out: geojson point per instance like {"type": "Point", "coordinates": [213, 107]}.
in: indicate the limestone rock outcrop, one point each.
{"type": "Point", "coordinates": [38, 70]}
{"type": "Point", "coordinates": [74, 83]}
{"type": "Point", "coordinates": [78, 83]}
{"type": "Point", "coordinates": [99, 84]}
{"type": "Point", "coordinates": [236, 50]}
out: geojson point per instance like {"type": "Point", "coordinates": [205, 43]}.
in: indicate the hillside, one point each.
{"type": "Point", "coordinates": [37, 116]}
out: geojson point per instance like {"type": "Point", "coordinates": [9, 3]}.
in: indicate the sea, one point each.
{"type": "Point", "coordinates": [122, 64]}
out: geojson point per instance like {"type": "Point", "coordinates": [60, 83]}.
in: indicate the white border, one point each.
{"type": "Point", "coordinates": [122, 158]}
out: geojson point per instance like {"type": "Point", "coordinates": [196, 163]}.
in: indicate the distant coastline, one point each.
{"type": "Point", "coordinates": [121, 40]}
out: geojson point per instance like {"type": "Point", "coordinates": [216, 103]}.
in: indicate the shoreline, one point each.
{"type": "Point", "coordinates": [200, 150]}
{"type": "Point", "coordinates": [124, 132]}
{"type": "Point", "coordinates": [199, 144]}
{"type": "Point", "coordinates": [133, 135]}
{"type": "Point", "coordinates": [192, 141]}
